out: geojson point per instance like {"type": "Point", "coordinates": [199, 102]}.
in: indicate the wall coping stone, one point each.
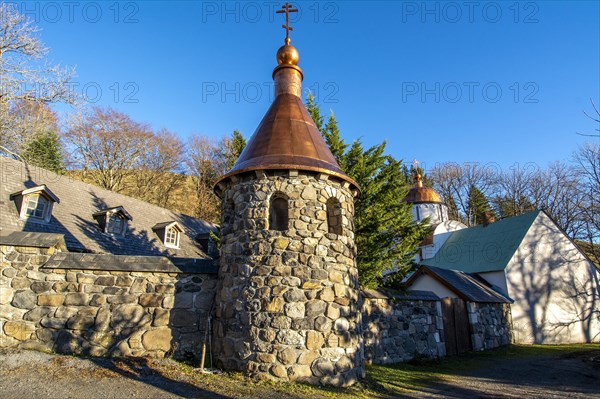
{"type": "Point", "coordinates": [400, 295]}
{"type": "Point", "coordinates": [35, 240]}
{"type": "Point", "coordinates": [151, 264]}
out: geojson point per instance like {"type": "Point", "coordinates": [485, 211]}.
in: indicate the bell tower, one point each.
{"type": "Point", "coordinates": [287, 297]}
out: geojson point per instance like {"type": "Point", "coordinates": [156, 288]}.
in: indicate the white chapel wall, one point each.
{"type": "Point", "coordinates": [554, 288]}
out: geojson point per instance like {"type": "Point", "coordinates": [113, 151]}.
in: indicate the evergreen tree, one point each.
{"type": "Point", "coordinates": [315, 111]}
{"type": "Point", "coordinates": [478, 206]}
{"type": "Point", "coordinates": [385, 234]}
{"type": "Point", "coordinates": [235, 146]}
{"type": "Point", "coordinates": [331, 134]}
{"type": "Point", "coordinates": [45, 150]}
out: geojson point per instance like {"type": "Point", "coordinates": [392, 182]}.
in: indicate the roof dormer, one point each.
{"type": "Point", "coordinates": [169, 233]}
{"type": "Point", "coordinates": [113, 220]}
{"type": "Point", "coordinates": [35, 204]}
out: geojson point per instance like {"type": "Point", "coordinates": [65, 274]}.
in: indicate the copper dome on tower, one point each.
{"type": "Point", "coordinates": [287, 137]}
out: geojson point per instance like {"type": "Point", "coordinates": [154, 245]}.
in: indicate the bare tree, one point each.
{"type": "Point", "coordinates": [456, 183]}
{"type": "Point", "coordinates": [556, 190]}
{"type": "Point", "coordinates": [159, 170]}
{"type": "Point", "coordinates": [208, 159]}
{"type": "Point", "coordinates": [206, 164]}
{"type": "Point", "coordinates": [108, 145]}
{"type": "Point", "coordinates": [25, 73]}
{"type": "Point", "coordinates": [587, 161]}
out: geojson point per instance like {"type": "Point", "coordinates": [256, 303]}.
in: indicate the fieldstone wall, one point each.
{"type": "Point", "coordinates": [399, 327]}
{"type": "Point", "coordinates": [288, 300]}
{"type": "Point", "coordinates": [84, 306]}
{"type": "Point", "coordinates": [491, 325]}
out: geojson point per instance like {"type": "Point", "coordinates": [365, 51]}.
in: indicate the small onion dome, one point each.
{"type": "Point", "coordinates": [287, 54]}
{"type": "Point", "coordinates": [419, 194]}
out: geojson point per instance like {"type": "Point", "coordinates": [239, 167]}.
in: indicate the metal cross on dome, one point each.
{"type": "Point", "coordinates": [287, 9]}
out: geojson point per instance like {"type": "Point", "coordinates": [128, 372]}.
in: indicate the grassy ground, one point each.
{"type": "Point", "coordinates": [384, 381]}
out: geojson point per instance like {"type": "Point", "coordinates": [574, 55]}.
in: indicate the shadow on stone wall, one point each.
{"type": "Point", "coordinates": [83, 304]}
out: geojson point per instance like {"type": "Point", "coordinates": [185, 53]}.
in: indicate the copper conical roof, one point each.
{"type": "Point", "coordinates": [287, 138]}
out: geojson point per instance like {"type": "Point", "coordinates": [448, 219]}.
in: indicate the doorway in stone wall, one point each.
{"type": "Point", "coordinates": [457, 331]}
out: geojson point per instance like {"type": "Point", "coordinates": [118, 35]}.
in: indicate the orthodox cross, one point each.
{"type": "Point", "coordinates": [287, 9]}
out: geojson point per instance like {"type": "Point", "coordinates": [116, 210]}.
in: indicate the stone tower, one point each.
{"type": "Point", "coordinates": [287, 299]}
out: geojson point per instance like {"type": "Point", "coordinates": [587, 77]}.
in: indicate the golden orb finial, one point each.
{"type": "Point", "coordinates": [287, 54]}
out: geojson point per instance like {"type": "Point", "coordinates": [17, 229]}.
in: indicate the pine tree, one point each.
{"type": "Point", "coordinates": [235, 146]}
{"type": "Point", "coordinates": [386, 236]}
{"type": "Point", "coordinates": [45, 150]}
{"type": "Point", "coordinates": [315, 112]}
{"type": "Point", "coordinates": [331, 134]}
{"type": "Point", "coordinates": [478, 206]}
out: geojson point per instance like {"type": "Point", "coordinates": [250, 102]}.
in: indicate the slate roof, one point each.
{"type": "Point", "coordinates": [469, 287]}
{"type": "Point", "coordinates": [73, 216]}
{"type": "Point", "coordinates": [481, 248]}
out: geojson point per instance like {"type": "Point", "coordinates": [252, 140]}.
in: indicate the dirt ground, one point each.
{"type": "Point", "coordinates": [27, 374]}
{"type": "Point", "coordinates": [572, 375]}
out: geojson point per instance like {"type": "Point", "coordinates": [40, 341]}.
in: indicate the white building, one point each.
{"type": "Point", "coordinates": [529, 259]}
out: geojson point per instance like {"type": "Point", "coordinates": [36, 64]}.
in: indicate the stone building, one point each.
{"type": "Point", "coordinates": [288, 281]}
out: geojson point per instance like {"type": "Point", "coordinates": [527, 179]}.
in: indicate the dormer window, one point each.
{"type": "Point", "coordinates": [116, 223]}
{"type": "Point", "coordinates": [169, 233]}
{"type": "Point", "coordinates": [35, 204]}
{"type": "Point", "coordinates": [113, 220]}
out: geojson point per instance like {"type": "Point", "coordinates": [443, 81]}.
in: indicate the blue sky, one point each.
{"type": "Point", "coordinates": [484, 81]}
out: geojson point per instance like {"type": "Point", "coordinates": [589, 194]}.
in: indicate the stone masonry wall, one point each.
{"type": "Point", "coordinates": [491, 325]}
{"type": "Point", "coordinates": [398, 330]}
{"type": "Point", "coordinates": [99, 312]}
{"type": "Point", "coordinates": [288, 300]}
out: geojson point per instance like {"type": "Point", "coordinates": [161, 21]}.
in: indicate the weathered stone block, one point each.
{"type": "Point", "coordinates": [288, 356]}
{"type": "Point", "coordinates": [105, 280]}
{"type": "Point", "coordinates": [295, 310]}
{"type": "Point", "coordinates": [6, 295]}
{"type": "Point", "coordinates": [19, 330]}
{"type": "Point", "coordinates": [158, 339]}
{"type": "Point", "coordinates": [77, 299]}
{"type": "Point", "coordinates": [9, 272]}
{"type": "Point", "coordinates": [183, 318]}
{"type": "Point", "coordinates": [37, 313]}
{"type": "Point", "coordinates": [24, 299]}
{"type": "Point", "coordinates": [274, 306]}
{"type": "Point", "coordinates": [151, 300]}
{"type": "Point", "coordinates": [50, 299]}
{"type": "Point", "coordinates": [20, 283]}
{"type": "Point", "coordinates": [50, 322]}
{"type": "Point", "coordinates": [161, 317]}
{"type": "Point", "coordinates": [80, 322]}
{"type": "Point", "coordinates": [129, 316]}
{"type": "Point", "coordinates": [120, 299]}
{"type": "Point", "coordinates": [279, 371]}
{"type": "Point", "coordinates": [63, 286]}
{"type": "Point", "coordinates": [64, 312]}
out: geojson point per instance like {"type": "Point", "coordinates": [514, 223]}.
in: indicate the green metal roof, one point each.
{"type": "Point", "coordinates": [481, 248]}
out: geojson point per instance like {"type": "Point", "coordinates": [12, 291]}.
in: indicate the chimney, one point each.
{"type": "Point", "coordinates": [488, 217]}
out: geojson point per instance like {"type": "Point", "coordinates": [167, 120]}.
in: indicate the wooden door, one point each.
{"type": "Point", "coordinates": [457, 331]}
